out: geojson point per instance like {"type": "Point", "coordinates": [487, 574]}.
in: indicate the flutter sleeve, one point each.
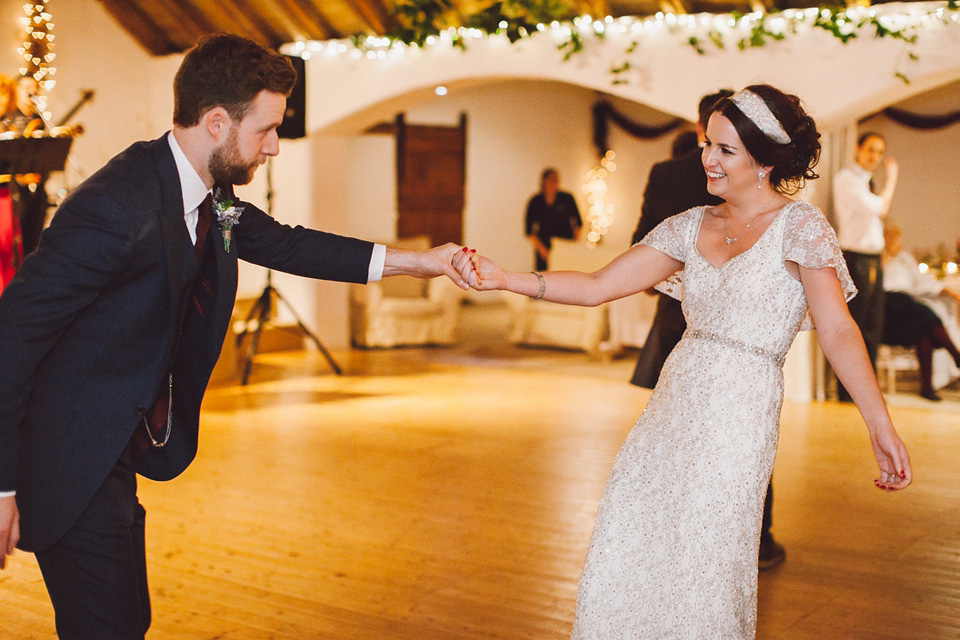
{"type": "Point", "coordinates": [811, 242]}
{"type": "Point", "coordinates": [674, 237]}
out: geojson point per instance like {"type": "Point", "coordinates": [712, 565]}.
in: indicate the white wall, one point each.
{"type": "Point", "coordinates": [514, 129]}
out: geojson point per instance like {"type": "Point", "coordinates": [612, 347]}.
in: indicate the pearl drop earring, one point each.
{"type": "Point", "coordinates": [760, 177]}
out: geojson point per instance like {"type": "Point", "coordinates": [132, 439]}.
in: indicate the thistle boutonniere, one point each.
{"type": "Point", "coordinates": [227, 215]}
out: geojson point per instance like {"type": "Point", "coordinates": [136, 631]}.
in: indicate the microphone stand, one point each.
{"type": "Point", "coordinates": [263, 308]}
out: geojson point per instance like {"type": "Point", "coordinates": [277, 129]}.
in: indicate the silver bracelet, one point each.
{"type": "Point", "coordinates": [543, 286]}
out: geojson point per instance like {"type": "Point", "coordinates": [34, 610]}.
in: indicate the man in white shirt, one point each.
{"type": "Point", "coordinates": [860, 214]}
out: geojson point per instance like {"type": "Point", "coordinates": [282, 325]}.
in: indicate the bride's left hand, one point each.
{"type": "Point", "coordinates": [893, 460]}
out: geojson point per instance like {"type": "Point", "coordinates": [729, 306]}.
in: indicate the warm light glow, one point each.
{"type": "Point", "coordinates": [600, 212]}
{"type": "Point", "coordinates": [37, 49]}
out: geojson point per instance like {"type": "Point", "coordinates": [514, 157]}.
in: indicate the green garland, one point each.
{"type": "Point", "coordinates": [418, 21]}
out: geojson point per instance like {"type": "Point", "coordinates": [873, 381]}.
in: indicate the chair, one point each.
{"type": "Point", "coordinates": [541, 323]}
{"type": "Point", "coordinates": [403, 310]}
{"type": "Point", "coordinates": [890, 360]}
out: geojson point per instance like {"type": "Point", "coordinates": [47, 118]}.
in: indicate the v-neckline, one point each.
{"type": "Point", "coordinates": [696, 239]}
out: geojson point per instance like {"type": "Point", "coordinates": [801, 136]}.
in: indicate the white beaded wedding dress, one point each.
{"type": "Point", "coordinates": [674, 549]}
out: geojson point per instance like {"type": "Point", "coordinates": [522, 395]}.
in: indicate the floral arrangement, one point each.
{"type": "Point", "coordinates": [227, 215]}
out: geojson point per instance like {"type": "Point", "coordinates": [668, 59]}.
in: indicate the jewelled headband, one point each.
{"type": "Point", "coordinates": [757, 112]}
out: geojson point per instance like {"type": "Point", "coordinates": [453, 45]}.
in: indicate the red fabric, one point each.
{"type": "Point", "coordinates": [8, 232]}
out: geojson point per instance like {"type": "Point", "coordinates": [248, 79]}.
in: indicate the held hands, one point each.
{"type": "Point", "coordinates": [9, 528]}
{"type": "Point", "coordinates": [438, 262]}
{"type": "Point", "coordinates": [480, 273]}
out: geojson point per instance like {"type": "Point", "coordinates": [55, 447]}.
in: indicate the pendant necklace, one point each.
{"type": "Point", "coordinates": [761, 212]}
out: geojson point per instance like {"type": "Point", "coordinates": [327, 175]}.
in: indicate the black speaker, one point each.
{"type": "Point", "coordinates": [294, 123]}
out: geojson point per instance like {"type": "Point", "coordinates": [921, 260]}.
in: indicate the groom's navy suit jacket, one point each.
{"type": "Point", "coordinates": [674, 186]}
{"type": "Point", "coordinates": [93, 322]}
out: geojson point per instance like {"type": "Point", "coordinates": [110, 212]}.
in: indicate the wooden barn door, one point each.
{"type": "Point", "coordinates": [431, 174]}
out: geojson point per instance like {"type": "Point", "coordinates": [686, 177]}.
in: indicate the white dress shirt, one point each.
{"type": "Point", "coordinates": [859, 212]}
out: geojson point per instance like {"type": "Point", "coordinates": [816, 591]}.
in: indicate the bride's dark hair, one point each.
{"type": "Point", "coordinates": [792, 162]}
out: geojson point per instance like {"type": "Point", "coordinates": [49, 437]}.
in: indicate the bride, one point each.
{"type": "Point", "coordinates": [674, 549]}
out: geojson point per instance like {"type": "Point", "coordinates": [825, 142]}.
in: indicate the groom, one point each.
{"type": "Point", "coordinates": [110, 330]}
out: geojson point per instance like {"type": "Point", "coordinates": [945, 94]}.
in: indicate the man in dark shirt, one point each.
{"type": "Point", "coordinates": [551, 214]}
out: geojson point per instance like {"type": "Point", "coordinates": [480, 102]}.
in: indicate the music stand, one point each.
{"type": "Point", "coordinates": [34, 155]}
{"type": "Point", "coordinates": [263, 308]}
{"type": "Point", "coordinates": [31, 155]}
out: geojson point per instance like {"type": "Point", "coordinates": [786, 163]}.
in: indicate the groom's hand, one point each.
{"type": "Point", "coordinates": [481, 273]}
{"type": "Point", "coordinates": [9, 528]}
{"type": "Point", "coordinates": [424, 264]}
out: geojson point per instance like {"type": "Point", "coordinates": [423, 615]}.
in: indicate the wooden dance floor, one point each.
{"type": "Point", "coordinates": [450, 493]}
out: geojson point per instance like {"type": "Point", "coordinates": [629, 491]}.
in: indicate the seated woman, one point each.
{"type": "Point", "coordinates": [907, 320]}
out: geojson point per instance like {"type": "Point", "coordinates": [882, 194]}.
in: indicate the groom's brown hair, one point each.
{"type": "Point", "coordinates": [227, 71]}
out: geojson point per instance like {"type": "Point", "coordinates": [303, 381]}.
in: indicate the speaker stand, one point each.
{"type": "Point", "coordinates": [262, 310]}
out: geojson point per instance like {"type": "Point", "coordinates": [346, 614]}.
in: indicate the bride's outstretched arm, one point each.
{"type": "Point", "coordinates": [637, 269]}
{"type": "Point", "coordinates": [843, 346]}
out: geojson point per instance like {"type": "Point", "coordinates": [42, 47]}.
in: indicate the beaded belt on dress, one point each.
{"type": "Point", "coordinates": [776, 358]}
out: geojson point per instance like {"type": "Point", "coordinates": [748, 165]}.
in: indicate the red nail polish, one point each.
{"type": "Point", "coordinates": [473, 250]}
{"type": "Point", "coordinates": [903, 474]}
{"type": "Point", "coordinates": [464, 249]}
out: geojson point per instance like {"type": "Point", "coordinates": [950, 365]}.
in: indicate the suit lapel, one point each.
{"type": "Point", "coordinates": [226, 262]}
{"type": "Point", "coordinates": [172, 225]}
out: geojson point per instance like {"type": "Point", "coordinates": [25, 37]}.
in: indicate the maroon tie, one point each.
{"type": "Point", "coordinates": [203, 294]}
{"type": "Point", "coordinates": [204, 214]}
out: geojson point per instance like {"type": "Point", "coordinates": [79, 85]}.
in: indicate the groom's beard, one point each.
{"type": "Point", "coordinates": [228, 167]}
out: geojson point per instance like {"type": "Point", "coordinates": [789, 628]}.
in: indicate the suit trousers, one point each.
{"type": "Point", "coordinates": [96, 574]}
{"type": "Point", "coordinates": [867, 307]}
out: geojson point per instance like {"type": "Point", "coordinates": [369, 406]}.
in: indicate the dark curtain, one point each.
{"type": "Point", "coordinates": [604, 113]}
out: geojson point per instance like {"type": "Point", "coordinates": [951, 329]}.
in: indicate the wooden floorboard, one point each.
{"type": "Point", "coordinates": [450, 493]}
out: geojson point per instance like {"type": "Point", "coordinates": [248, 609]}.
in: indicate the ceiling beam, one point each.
{"type": "Point", "coordinates": [307, 13]}
{"type": "Point", "coordinates": [599, 8]}
{"type": "Point", "coordinates": [374, 14]}
{"type": "Point", "coordinates": [238, 14]}
{"type": "Point", "coordinates": [673, 6]}
{"type": "Point", "coordinates": [190, 23]}
{"type": "Point", "coordinates": [139, 25]}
